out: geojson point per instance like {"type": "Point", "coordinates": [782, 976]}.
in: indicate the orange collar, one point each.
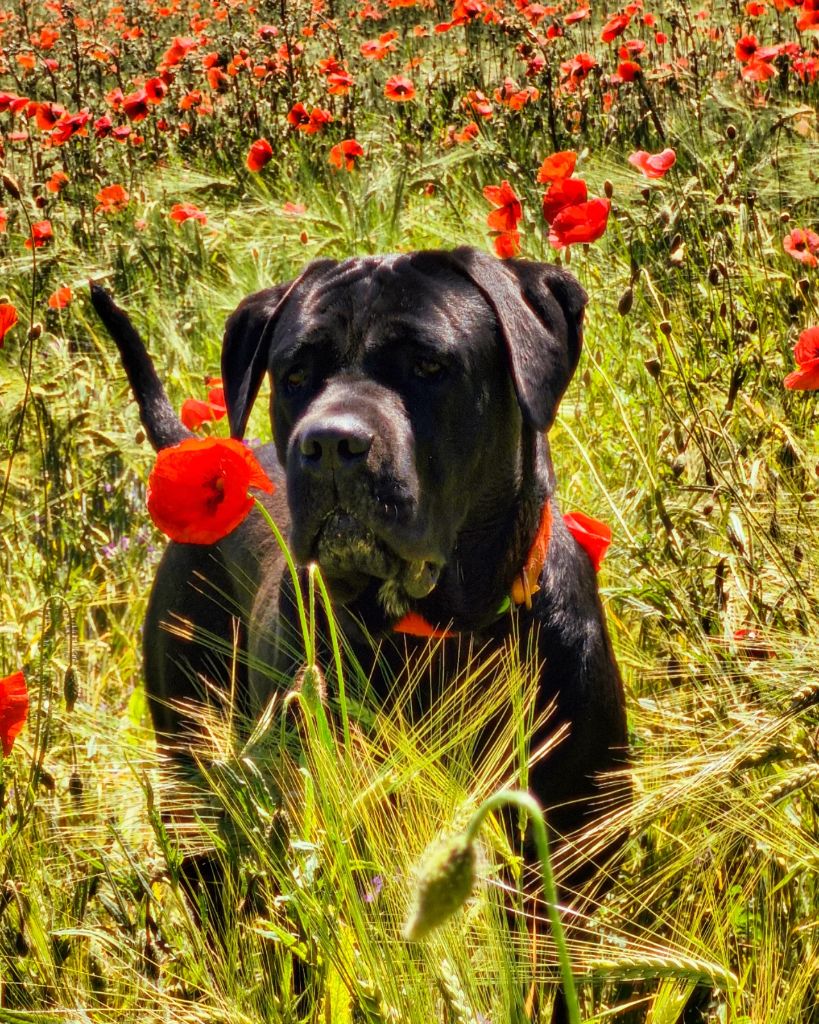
{"type": "Point", "coordinates": [523, 586]}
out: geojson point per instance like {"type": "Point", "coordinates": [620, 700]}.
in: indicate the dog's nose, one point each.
{"type": "Point", "coordinates": [338, 443]}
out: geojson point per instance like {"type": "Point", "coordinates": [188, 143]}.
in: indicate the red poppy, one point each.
{"type": "Point", "coordinates": [478, 103]}
{"type": "Point", "coordinates": [585, 222]}
{"type": "Point", "coordinates": [155, 90]}
{"type": "Point", "coordinates": [468, 133]}
{"type": "Point", "coordinates": [653, 165]}
{"type": "Point", "coordinates": [180, 212]}
{"type": "Point", "coordinates": [41, 232]}
{"type": "Point", "coordinates": [806, 354]}
{"type": "Point", "coordinates": [615, 27]}
{"type": "Point", "coordinates": [259, 154]}
{"type": "Point", "coordinates": [298, 115]}
{"type": "Point", "coordinates": [557, 166]}
{"type": "Point", "coordinates": [508, 212]}
{"type": "Point", "coordinates": [592, 535]}
{"type": "Point", "coordinates": [803, 245]}
{"type": "Point", "coordinates": [758, 71]}
{"type": "Point", "coordinates": [339, 83]}
{"type": "Point", "coordinates": [399, 89]}
{"type": "Point", "coordinates": [8, 318]}
{"type": "Point", "coordinates": [57, 182]}
{"type": "Point", "coordinates": [198, 490]}
{"type": "Point", "coordinates": [507, 244]}
{"type": "Point", "coordinates": [745, 48]}
{"type": "Point", "coordinates": [562, 193]}
{"type": "Point", "coordinates": [344, 154]}
{"type": "Point", "coordinates": [135, 106]}
{"type": "Point", "coordinates": [13, 709]}
{"type": "Point", "coordinates": [4, 219]}
{"type": "Point", "coordinates": [579, 15]}
{"type": "Point", "coordinates": [627, 71]}
{"type": "Point", "coordinates": [60, 299]}
{"type": "Point", "coordinates": [112, 199]}
{"type": "Point", "coordinates": [47, 115]}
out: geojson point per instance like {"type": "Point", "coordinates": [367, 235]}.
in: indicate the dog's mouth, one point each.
{"type": "Point", "coordinates": [349, 552]}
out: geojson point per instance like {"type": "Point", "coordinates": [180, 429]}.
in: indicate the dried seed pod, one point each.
{"type": "Point", "coordinates": [75, 786]}
{"type": "Point", "coordinates": [608, 189]}
{"type": "Point", "coordinates": [11, 186]}
{"type": "Point", "coordinates": [713, 276]}
{"type": "Point", "coordinates": [626, 302]}
{"type": "Point", "coordinates": [35, 331]}
{"type": "Point", "coordinates": [665, 327]}
{"type": "Point", "coordinates": [731, 132]}
{"type": "Point", "coordinates": [654, 366]}
{"type": "Point", "coordinates": [70, 688]}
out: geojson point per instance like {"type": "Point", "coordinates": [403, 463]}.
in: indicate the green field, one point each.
{"type": "Point", "coordinates": [678, 431]}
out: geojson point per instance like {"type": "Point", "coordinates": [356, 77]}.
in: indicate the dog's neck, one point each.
{"type": "Point", "coordinates": [489, 554]}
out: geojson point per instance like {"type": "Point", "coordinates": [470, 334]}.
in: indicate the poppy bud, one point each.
{"type": "Point", "coordinates": [731, 132]}
{"type": "Point", "coordinates": [713, 276]}
{"type": "Point", "coordinates": [665, 327]}
{"type": "Point", "coordinates": [608, 189]}
{"type": "Point", "coordinates": [626, 302]}
{"type": "Point", "coordinates": [41, 202]}
{"type": "Point", "coordinates": [35, 331]}
{"type": "Point", "coordinates": [784, 217]}
{"type": "Point", "coordinates": [653, 366]}
{"type": "Point", "coordinates": [445, 883]}
{"type": "Point", "coordinates": [646, 193]}
{"type": "Point", "coordinates": [723, 310]}
{"type": "Point", "coordinates": [75, 786]}
{"type": "Point", "coordinates": [678, 466]}
{"type": "Point", "coordinates": [11, 186]}
{"type": "Point", "coordinates": [803, 285]}
{"type": "Point", "coordinates": [70, 688]}
{"type": "Point", "coordinates": [139, 436]}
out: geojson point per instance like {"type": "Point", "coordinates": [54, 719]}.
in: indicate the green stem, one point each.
{"type": "Point", "coordinates": [294, 573]}
{"type": "Point", "coordinates": [527, 803]}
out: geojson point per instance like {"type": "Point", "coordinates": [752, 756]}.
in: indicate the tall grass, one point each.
{"type": "Point", "coordinates": [677, 431]}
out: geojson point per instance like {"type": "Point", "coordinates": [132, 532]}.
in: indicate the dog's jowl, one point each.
{"type": "Point", "coordinates": [411, 397]}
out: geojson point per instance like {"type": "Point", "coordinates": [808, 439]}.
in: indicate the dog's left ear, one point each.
{"type": "Point", "coordinates": [246, 345]}
{"type": "Point", "coordinates": [539, 308]}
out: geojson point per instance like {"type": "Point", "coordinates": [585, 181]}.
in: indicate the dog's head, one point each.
{"type": "Point", "coordinates": [400, 387]}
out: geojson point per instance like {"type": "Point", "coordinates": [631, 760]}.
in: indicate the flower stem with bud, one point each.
{"type": "Point", "coordinates": [448, 877]}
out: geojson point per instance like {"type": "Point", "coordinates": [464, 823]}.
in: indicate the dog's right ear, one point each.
{"type": "Point", "coordinates": [246, 344]}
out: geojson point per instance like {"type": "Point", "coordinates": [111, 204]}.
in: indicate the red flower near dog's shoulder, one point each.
{"type": "Point", "coordinates": [592, 535]}
{"type": "Point", "coordinates": [806, 354]}
{"type": "Point", "coordinates": [13, 709]}
{"type": "Point", "coordinates": [198, 490]}
{"type": "Point", "coordinates": [8, 318]}
{"type": "Point", "coordinates": [584, 222]}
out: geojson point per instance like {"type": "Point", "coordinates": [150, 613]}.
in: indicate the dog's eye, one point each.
{"type": "Point", "coordinates": [426, 368]}
{"type": "Point", "coordinates": [295, 378]}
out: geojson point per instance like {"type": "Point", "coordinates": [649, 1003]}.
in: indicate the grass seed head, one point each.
{"type": "Point", "coordinates": [445, 881]}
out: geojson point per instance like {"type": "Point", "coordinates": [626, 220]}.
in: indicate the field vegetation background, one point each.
{"type": "Point", "coordinates": [184, 153]}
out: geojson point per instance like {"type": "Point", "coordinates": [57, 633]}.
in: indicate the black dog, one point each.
{"type": "Point", "coordinates": [411, 396]}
